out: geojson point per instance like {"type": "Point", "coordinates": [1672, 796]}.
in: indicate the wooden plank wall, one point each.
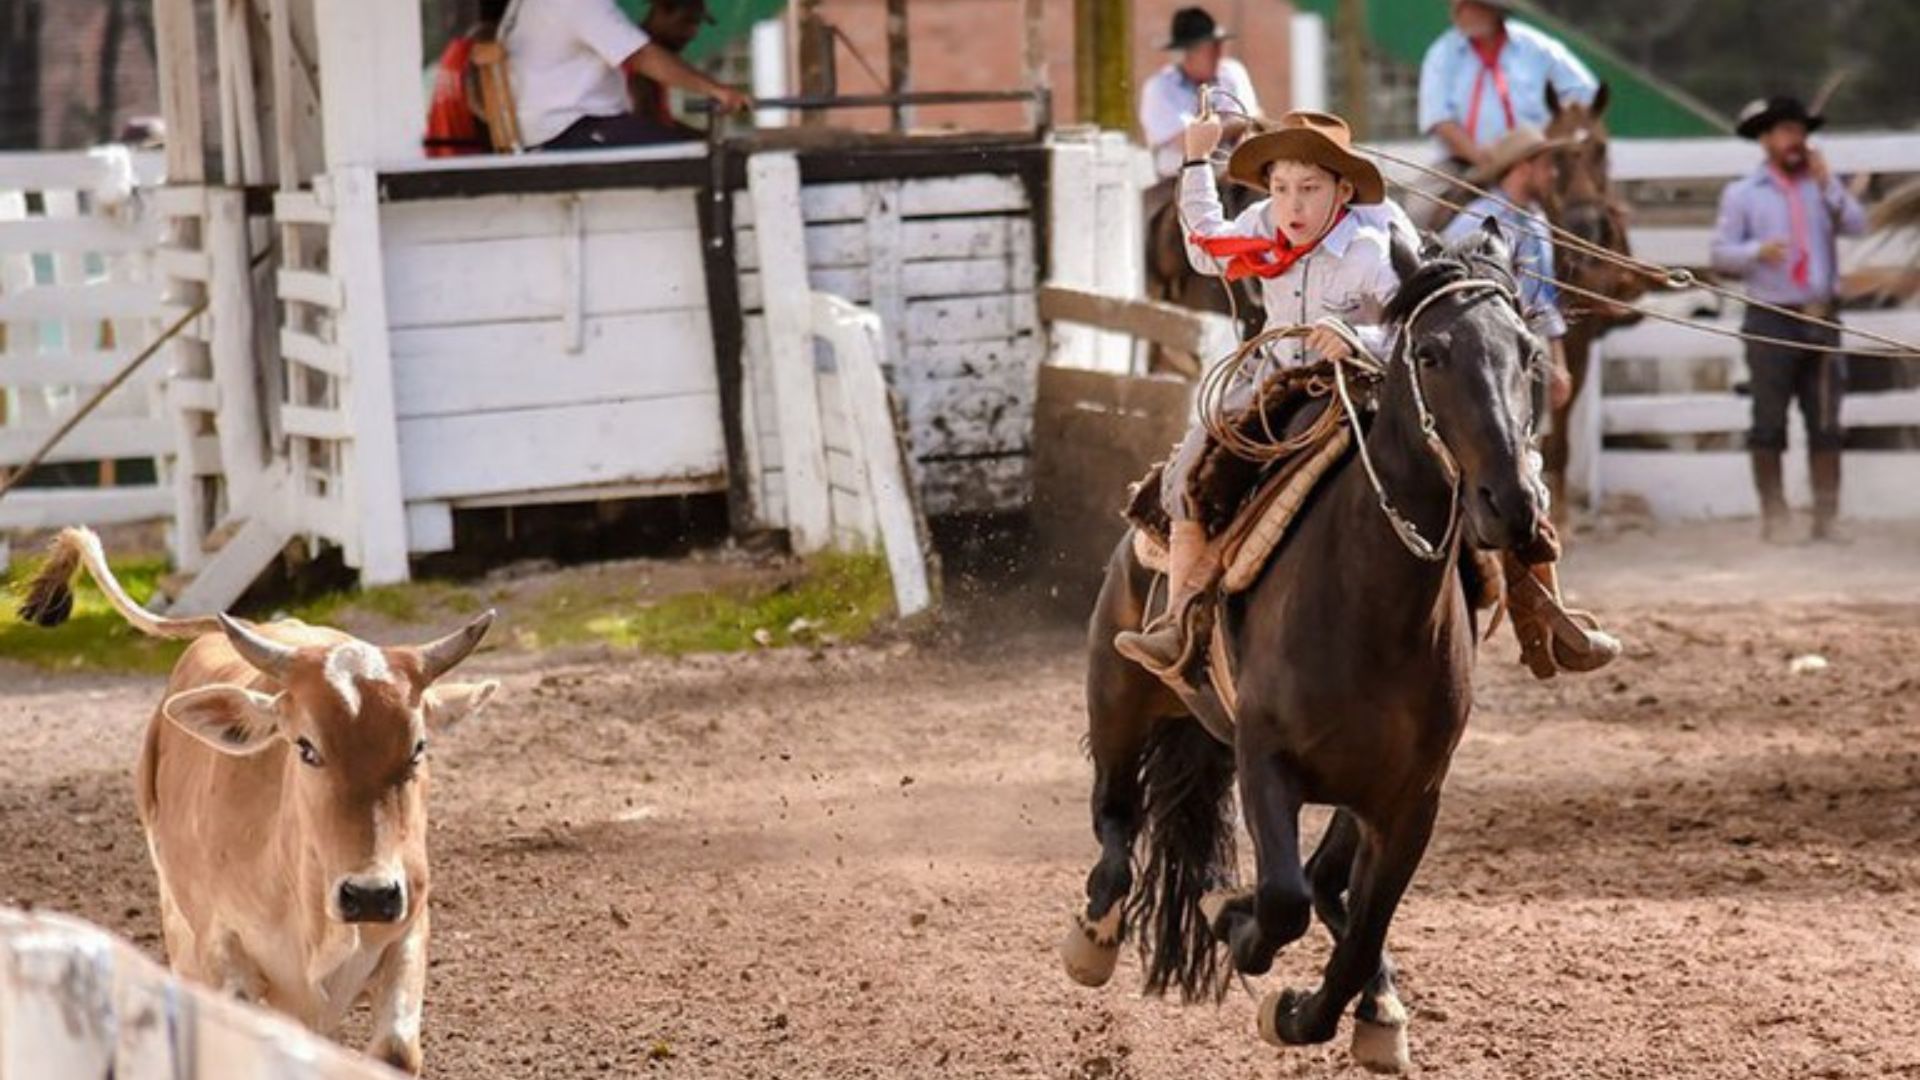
{"type": "Point", "coordinates": [950, 266]}
{"type": "Point", "coordinates": [1096, 433]}
{"type": "Point", "coordinates": [551, 342]}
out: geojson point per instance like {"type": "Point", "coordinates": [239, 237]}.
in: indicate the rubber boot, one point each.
{"type": "Point", "coordinates": [1775, 518]}
{"type": "Point", "coordinates": [1164, 646]}
{"type": "Point", "coordinates": [1552, 638]}
{"type": "Point", "coordinates": [1825, 467]}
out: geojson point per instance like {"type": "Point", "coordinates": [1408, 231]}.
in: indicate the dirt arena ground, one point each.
{"type": "Point", "coordinates": [1702, 863]}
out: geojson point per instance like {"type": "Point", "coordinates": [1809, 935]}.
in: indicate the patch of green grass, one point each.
{"type": "Point", "coordinates": [414, 602]}
{"type": "Point", "coordinates": [834, 598]}
{"type": "Point", "coordinates": [837, 598]}
{"type": "Point", "coordinates": [96, 638]}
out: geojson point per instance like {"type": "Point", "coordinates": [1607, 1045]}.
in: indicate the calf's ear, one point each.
{"type": "Point", "coordinates": [449, 703]}
{"type": "Point", "coordinates": [231, 719]}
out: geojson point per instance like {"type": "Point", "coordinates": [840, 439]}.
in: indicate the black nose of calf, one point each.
{"type": "Point", "coordinates": [371, 903]}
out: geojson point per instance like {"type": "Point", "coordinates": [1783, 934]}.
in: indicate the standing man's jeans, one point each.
{"type": "Point", "coordinates": [1781, 374]}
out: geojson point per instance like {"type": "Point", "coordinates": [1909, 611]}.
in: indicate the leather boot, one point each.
{"type": "Point", "coordinates": [1825, 467]}
{"type": "Point", "coordinates": [1775, 518]}
{"type": "Point", "coordinates": [1165, 645]}
{"type": "Point", "coordinates": [1552, 638]}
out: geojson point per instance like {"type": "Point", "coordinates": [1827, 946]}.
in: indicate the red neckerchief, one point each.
{"type": "Point", "coordinates": [1258, 256]}
{"type": "Point", "coordinates": [1802, 253]}
{"type": "Point", "coordinates": [1489, 54]}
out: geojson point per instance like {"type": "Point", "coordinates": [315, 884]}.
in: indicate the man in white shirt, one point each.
{"type": "Point", "coordinates": [1170, 99]}
{"type": "Point", "coordinates": [569, 61]}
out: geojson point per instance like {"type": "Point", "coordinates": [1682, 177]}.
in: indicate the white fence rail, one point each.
{"type": "Point", "coordinates": [75, 1001]}
{"type": "Point", "coordinates": [78, 297]}
{"type": "Point", "coordinates": [1668, 433]}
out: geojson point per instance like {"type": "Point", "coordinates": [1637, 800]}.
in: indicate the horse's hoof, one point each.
{"type": "Point", "coordinates": [1281, 1024]}
{"type": "Point", "coordinates": [1380, 1048]}
{"type": "Point", "coordinates": [1091, 951]}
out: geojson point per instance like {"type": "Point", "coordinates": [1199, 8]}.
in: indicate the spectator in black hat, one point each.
{"type": "Point", "coordinates": [1778, 229]}
{"type": "Point", "coordinates": [1170, 99]}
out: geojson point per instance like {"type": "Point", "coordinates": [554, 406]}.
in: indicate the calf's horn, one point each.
{"type": "Point", "coordinates": [271, 657]}
{"type": "Point", "coordinates": [439, 657]}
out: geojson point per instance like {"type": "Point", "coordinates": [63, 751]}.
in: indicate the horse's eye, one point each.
{"type": "Point", "coordinates": [419, 752]}
{"type": "Point", "coordinates": [1429, 358]}
{"type": "Point", "coordinates": [308, 755]}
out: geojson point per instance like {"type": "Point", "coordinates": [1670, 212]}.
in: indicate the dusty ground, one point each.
{"type": "Point", "coordinates": [1700, 864]}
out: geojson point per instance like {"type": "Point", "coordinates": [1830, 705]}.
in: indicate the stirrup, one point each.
{"type": "Point", "coordinates": [1586, 646]}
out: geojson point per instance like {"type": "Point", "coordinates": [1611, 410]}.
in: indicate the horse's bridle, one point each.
{"type": "Point", "coordinates": [1404, 527]}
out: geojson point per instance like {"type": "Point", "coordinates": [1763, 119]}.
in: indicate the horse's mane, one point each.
{"type": "Point", "coordinates": [1480, 254]}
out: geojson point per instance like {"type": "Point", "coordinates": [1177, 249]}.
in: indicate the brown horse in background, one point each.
{"type": "Point", "coordinates": [1353, 663]}
{"type": "Point", "coordinates": [1170, 277]}
{"type": "Point", "coordinates": [1583, 203]}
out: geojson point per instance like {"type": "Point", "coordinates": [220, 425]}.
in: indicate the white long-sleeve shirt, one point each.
{"type": "Point", "coordinates": [1349, 275]}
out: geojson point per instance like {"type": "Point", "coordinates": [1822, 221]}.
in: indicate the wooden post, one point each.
{"type": "Point", "coordinates": [898, 60]}
{"type": "Point", "coordinates": [1350, 27]}
{"type": "Point", "coordinates": [1033, 17]}
{"type": "Point", "coordinates": [232, 350]}
{"type": "Point", "coordinates": [773, 183]}
{"type": "Point", "coordinates": [1103, 52]}
{"type": "Point", "coordinates": [374, 492]}
{"type": "Point", "coordinates": [814, 43]}
{"type": "Point", "coordinates": [371, 92]}
{"type": "Point", "coordinates": [177, 43]}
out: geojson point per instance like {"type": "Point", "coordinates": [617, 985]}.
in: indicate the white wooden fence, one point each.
{"type": "Point", "coordinates": [1675, 385]}
{"type": "Point", "coordinates": [949, 265]}
{"type": "Point", "coordinates": [75, 1001]}
{"type": "Point", "coordinates": [78, 297]}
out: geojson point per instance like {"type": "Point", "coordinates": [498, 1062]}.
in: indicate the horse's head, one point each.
{"type": "Point", "coordinates": [1581, 200]}
{"type": "Point", "coordinates": [1469, 362]}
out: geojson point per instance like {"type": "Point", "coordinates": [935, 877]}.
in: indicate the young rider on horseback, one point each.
{"type": "Point", "coordinates": [1315, 261]}
{"type": "Point", "coordinates": [1320, 264]}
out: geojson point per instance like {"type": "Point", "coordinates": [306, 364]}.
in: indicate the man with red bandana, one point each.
{"type": "Point", "coordinates": [1489, 74]}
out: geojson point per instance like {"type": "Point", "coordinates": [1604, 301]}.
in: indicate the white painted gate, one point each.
{"type": "Point", "coordinates": [78, 298]}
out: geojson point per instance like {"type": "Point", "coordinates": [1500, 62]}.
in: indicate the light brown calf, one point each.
{"type": "Point", "coordinates": [283, 787]}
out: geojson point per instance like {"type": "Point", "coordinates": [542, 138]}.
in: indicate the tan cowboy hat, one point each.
{"type": "Point", "coordinates": [1316, 138]}
{"type": "Point", "coordinates": [1522, 143]}
{"type": "Point", "coordinates": [1506, 7]}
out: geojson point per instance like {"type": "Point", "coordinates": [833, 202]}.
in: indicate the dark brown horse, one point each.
{"type": "Point", "coordinates": [1583, 203]}
{"type": "Point", "coordinates": [1354, 661]}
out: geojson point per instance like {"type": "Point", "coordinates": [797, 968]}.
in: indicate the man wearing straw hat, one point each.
{"type": "Point", "coordinates": [1489, 74]}
{"type": "Point", "coordinates": [1778, 228]}
{"type": "Point", "coordinates": [1520, 170]}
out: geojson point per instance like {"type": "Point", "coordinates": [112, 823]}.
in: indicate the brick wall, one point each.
{"type": "Point", "coordinates": [979, 45]}
{"type": "Point", "coordinates": [72, 36]}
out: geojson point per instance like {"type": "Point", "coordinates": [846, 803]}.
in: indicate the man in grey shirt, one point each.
{"type": "Point", "coordinates": [1778, 228]}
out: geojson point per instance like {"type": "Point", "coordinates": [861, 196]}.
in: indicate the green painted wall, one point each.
{"type": "Point", "coordinates": [1643, 105]}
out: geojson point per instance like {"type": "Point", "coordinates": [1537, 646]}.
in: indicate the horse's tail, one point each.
{"type": "Point", "coordinates": [48, 597]}
{"type": "Point", "coordinates": [1189, 850]}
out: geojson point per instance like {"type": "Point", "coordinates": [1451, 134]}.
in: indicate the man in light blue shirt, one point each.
{"type": "Point", "coordinates": [1778, 228]}
{"type": "Point", "coordinates": [1489, 74]}
{"type": "Point", "coordinates": [1520, 168]}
